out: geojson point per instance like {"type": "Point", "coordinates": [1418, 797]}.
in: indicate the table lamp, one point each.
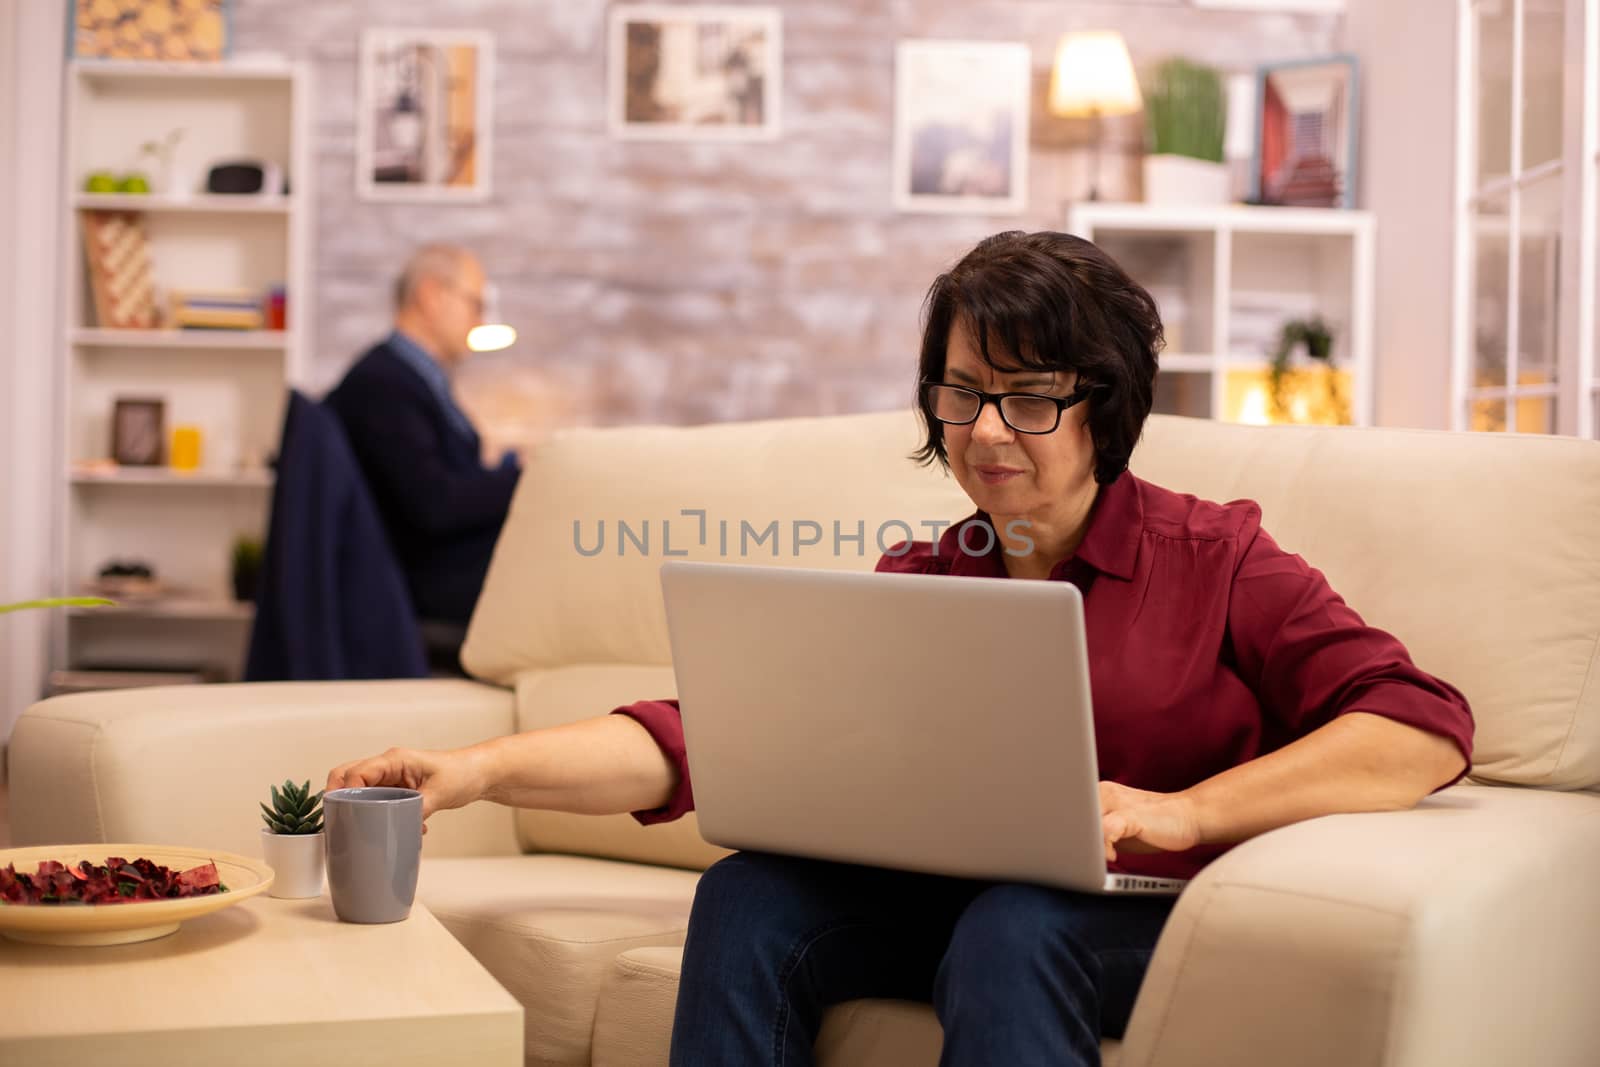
{"type": "Point", "coordinates": [491, 335]}
{"type": "Point", "coordinates": [1092, 78]}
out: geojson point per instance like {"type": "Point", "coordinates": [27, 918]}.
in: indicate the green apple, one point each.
{"type": "Point", "coordinates": [101, 181]}
{"type": "Point", "coordinates": [134, 182]}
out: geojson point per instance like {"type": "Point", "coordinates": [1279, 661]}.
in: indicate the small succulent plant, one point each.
{"type": "Point", "coordinates": [295, 810]}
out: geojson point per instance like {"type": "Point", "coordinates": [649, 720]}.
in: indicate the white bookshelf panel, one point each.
{"type": "Point", "coordinates": [198, 252]}
{"type": "Point", "coordinates": [237, 404]}
{"type": "Point", "coordinates": [110, 73]}
{"type": "Point", "coordinates": [185, 534]}
{"type": "Point", "coordinates": [231, 385]}
{"type": "Point", "coordinates": [272, 342]}
{"type": "Point", "coordinates": [1227, 280]}
{"type": "Point", "coordinates": [1179, 361]}
{"type": "Point", "coordinates": [1281, 277]}
{"type": "Point", "coordinates": [1178, 270]}
{"type": "Point", "coordinates": [205, 645]}
{"type": "Point", "coordinates": [1183, 393]}
{"type": "Point", "coordinates": [194, 203]}
{"type": "Point", "coordinates": [222, 119]}
{"type": "Point", "coordinates": [169, 478]}
{"type": "Point", "coordinates": [207, 609]}
{"type": "Point", "coordinates": [1239, 218]}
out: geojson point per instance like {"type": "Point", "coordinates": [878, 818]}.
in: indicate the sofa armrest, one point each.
{"type": "Point", "coordinates": [1462, 932]}
{"type": "Point", "coordinates": [188, 765]}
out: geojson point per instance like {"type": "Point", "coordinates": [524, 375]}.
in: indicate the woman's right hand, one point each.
{"type": "Point", "coordinates": [445, 779]}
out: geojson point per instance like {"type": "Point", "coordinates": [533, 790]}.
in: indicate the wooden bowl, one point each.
{"type": "Point", "coordinates": [122, 924]}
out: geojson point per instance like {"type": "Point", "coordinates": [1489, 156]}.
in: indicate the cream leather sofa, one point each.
{"type": "Point", "coordinates": [1466, 932]}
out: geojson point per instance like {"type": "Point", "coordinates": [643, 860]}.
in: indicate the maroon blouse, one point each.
{"type": "Point", "coordinates": [1208, 646]}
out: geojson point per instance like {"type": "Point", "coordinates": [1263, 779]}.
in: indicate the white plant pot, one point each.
{"type": "Point", "coordinates": [297, 862]}
{"type": "Point", "coordinates": [1182, 180]}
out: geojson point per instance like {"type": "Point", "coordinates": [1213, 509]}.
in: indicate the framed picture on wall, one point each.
{"type": "Point", "coordinates": [424, 115]}
{"type": "Point", "coordinates": [1306, 133]}
{"type": "Point", "coordinates": [961, 126]}
{"type": "Point", "coordinates": [138, 432]}
{"type": "Point", "coordinates": [194, 29]}
{"type": "Point", "coordinates": [702, 73]}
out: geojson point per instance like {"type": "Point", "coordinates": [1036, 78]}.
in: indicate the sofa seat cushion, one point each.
{"type": "Point", "coordinates": [549, 928]}
{"type": "Point", "coordinates": [633, 1022]}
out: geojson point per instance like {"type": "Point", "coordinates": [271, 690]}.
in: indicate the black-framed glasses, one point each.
{"type": "Point", "coordinates": [1023, 412]}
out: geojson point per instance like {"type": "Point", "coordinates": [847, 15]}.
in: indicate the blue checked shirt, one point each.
{"type": "Point", "coordinates": [417, 358]}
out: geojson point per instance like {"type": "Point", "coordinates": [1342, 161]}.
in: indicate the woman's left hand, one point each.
{"type": "Point", "coordinates": [1137, 820]}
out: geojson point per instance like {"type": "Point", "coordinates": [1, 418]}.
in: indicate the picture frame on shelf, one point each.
{"type": "Point", "coordinates": [138, 431]}
{"type": "Point", "coordinates": [1305, 145]}
{"type": "Point", "coordinates": [424, 115]}
{"type": "Point", "coordinates": [194, 30]}
{"type": "Point", "coordinates": [961, 126]}
{"type": "Point", "coordinates": [694, 72]}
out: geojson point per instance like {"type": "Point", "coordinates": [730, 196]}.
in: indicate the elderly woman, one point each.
{"type": "Point", "coordinates": [1234, 692]}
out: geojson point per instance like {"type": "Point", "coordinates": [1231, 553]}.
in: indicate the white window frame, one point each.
{"type": "Point", "coordinates": [1575, 389]}
{"type": "Point", "coordinates": [1583, 81]}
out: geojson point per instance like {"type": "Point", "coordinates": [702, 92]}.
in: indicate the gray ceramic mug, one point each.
{"type": "Point", "coordinates": [374, 841]}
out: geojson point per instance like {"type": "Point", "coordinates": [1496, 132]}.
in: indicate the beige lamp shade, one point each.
{"type": "Point", "coordinates": [1093, 76]}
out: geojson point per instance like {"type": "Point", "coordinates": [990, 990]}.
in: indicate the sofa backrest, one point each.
{"type": "Point", "coordinates": [1480, 552]}
{"type": "Point", "coordinates": [548, 602]}
{"type": "Point", "coordinates": [571, 611]}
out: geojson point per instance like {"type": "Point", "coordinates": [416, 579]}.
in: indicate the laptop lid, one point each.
{"type": "Point", "coordinates": [928, 723]}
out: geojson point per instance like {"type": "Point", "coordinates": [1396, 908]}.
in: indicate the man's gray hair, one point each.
{"type": "Point", "coordinates": [441, 262]}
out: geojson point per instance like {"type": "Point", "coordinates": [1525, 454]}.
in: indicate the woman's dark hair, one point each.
{"type": "Point", "coordinates": [1051, 302]}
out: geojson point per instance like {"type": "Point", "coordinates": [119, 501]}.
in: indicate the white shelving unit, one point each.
{"type": "Point", "coordinates": [209, 340]}
{"type": "Point", "coordinates": [195, 203]}
{"type": "Point", "coordinates": [230, 384]}
{"type": "Point", "coordinates": [1227, 278]}
{"type": "Point", "coordinates": [200, 479]}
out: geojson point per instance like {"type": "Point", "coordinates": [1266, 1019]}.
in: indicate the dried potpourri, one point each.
{"type": "Point", "coordinates": [117, 882]}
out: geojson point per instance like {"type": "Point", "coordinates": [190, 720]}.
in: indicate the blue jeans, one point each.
{"type": "Point", "coordinates": [1018, 975]}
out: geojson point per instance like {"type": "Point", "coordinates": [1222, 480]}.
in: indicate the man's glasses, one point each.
{"type": "Point", "coordinates": [1023, 412]}
{"type": "Point", "coordinates": [474, 300]}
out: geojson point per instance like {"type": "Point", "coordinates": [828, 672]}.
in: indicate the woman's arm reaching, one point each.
{"type": "Point", "coordinates": [597, 766]}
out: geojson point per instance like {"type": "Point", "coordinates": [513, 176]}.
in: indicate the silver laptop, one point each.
{"type": "Point", "coordinates": [917, 722]}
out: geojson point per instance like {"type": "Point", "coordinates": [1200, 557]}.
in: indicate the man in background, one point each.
{"type": "Point", "coordinates": [441, 506]}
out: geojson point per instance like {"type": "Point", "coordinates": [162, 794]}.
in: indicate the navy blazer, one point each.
{"type": "Point", "coordinates": [332, 602]}
{"type": "Point", "coordinates": [443, 509]}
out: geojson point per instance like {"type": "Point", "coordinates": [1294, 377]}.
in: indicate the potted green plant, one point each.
{"type": "Point", "coordinates": [1186, 115]}
{"type": "Point", "coordinates": [247, 555]}
{"type": "Point", "coordinates": [291, 842]}
{"type": "Point", "coordinates": [169, 179]}
{"type": "Point", "coordinates": [1315, 338]}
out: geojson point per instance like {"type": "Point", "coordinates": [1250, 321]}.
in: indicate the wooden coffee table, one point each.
{"type": "Point", "coordinates": [268, 982]}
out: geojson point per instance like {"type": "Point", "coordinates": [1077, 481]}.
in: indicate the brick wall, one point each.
{"type": "Point", "coordinates": [674, 282]}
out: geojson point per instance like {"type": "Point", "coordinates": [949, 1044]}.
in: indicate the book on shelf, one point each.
{"type": "Point", "coordinates": [216, 309]}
